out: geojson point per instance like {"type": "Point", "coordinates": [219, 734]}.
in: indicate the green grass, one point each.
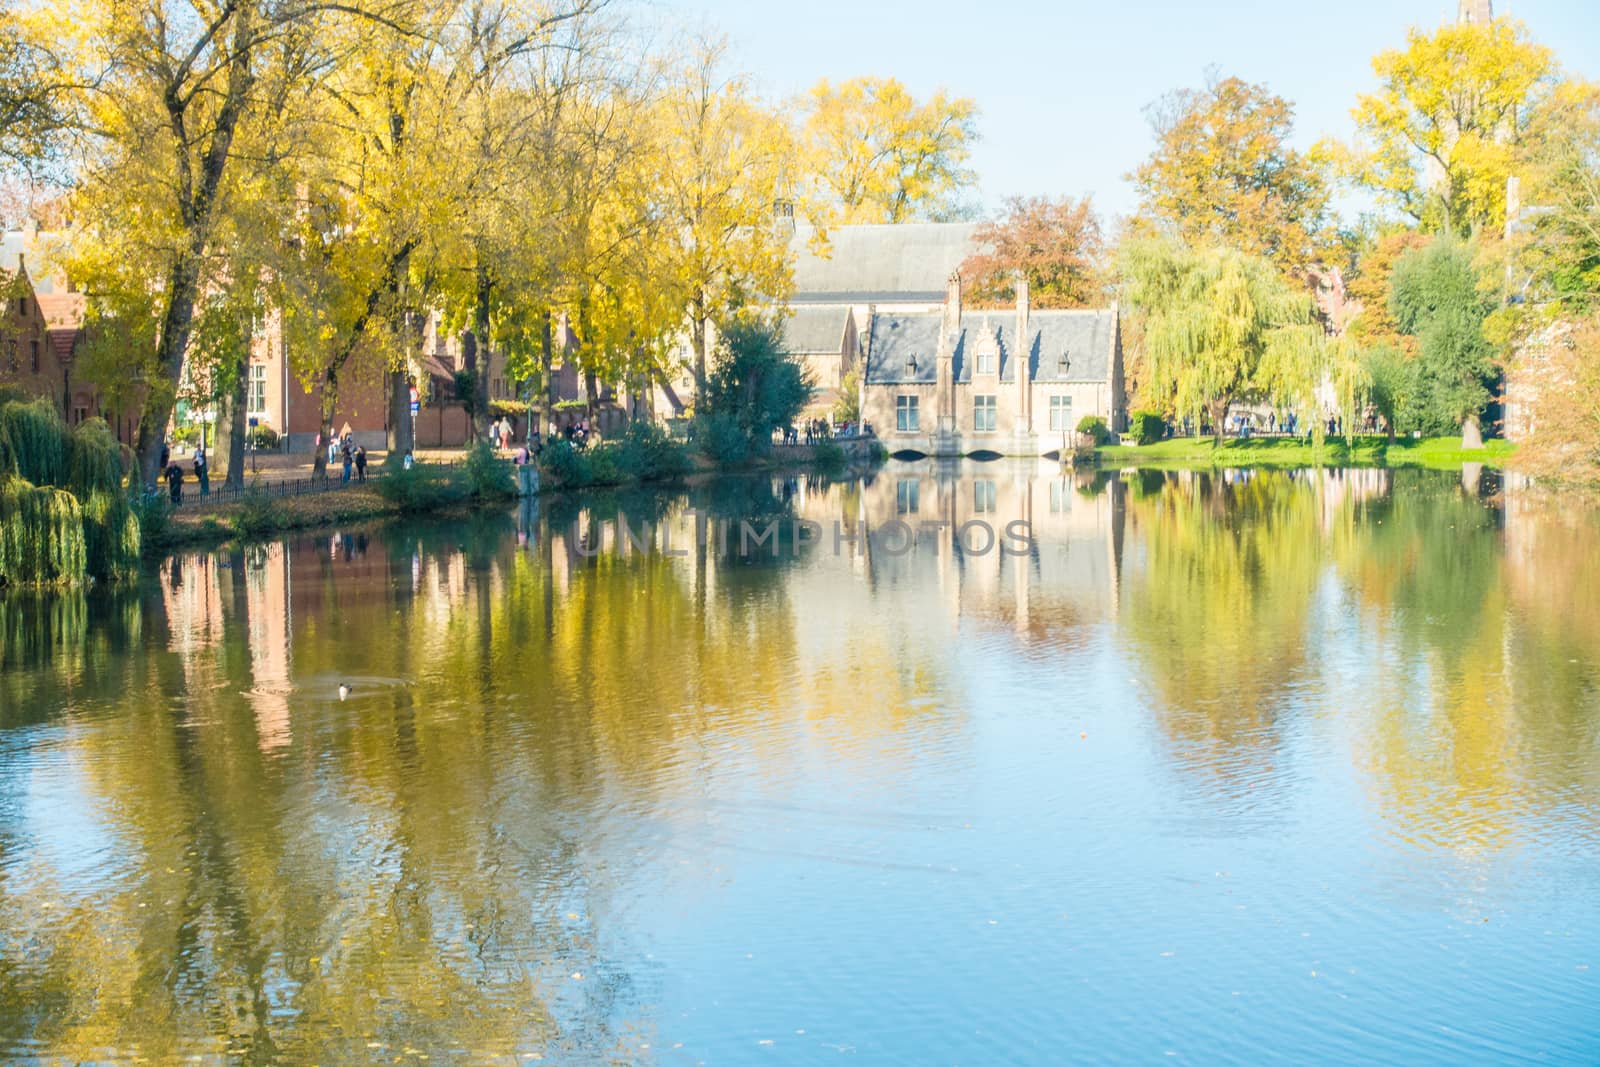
{"type": "Point", "coordinates": [1440, 453]}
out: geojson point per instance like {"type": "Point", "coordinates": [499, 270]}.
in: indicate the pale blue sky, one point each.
{"type": "Point", "coordinates": [1062, 84]}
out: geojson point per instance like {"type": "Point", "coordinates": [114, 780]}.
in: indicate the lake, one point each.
{"type": "Point", "coordinates": [1194, 766]}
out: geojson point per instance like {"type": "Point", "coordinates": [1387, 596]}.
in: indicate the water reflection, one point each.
{"type": "Point", "coordinates": [607, 787]}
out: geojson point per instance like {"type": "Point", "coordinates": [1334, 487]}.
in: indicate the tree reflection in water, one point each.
{"type": "Point", "coordinates": [203, 851]}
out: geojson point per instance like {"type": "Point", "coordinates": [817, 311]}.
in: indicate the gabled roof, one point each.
{"type": "Point", "coordinates": [1062, 346]}
{"type": "Point", "coordinates": [816, 329]}
{"type": "Point", "coordinates": [906, 262]}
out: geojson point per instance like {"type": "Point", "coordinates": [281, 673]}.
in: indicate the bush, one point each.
{"type": "Point", "coordinates": [1148, 427]}
{"type": "Point", "coordinates": [828, 455]}
{"type": "Point", "coordinates": [188, 435]}
{"type": "Point", "coordinates": [419, 489]}
{"type": "Point", "coordinates": [646, 451]}
{"type": "Point", "coordinates": [263, 438]}
{"type": "Point", "coordinates": [562, 461]}
{"type": "Point", "coordinates": [154, 517]}
{"type": "Point", "coordinates": [1094, 428]}
{"type": "Point", "coordinates": [487, 477]}
{"type": "Point", "coordinates": [722, 440]}
{"type": "Point", "coordinates": [258, 514]}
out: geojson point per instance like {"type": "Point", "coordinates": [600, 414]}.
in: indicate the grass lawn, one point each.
{"type": "Point", "coordinates": [1441, 453]}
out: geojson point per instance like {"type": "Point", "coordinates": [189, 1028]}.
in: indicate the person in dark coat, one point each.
{"type": "Point", "coordinates": [175, 482]}
{"type": "Point", "coordinates": [202, 471]}
{"type": "Point", "coordinates": [361, 463]}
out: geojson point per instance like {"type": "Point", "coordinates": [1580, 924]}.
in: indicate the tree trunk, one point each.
{"type": "Point", "coordinates": [481, 326]}
{"type": "Point", "coordinates": [238, 421]}
{"type": "Point", "coordinates": [330, 401]}
{"type": "Point", "coordinates": [174, 340]}
{"type": "Point", "coordinates": [469, 363]}
{"type": "Point", "coordinates": [547, 408]}
{"type": "Point", "coordinates": [1471, 434]}
{"type": "Point", "coordinates": [402, 430]}
{"type": "Point", "coordinates": [700, 334]}
{"type": "Point", "coordinates": [1219, 414]}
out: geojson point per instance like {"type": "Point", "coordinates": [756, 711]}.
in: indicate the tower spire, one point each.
{"type": "Point", "coordinates": [1478, 12]}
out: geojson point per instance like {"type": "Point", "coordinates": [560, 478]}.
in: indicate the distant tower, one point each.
{"type": "Point", "coordinates": [1478, 12]}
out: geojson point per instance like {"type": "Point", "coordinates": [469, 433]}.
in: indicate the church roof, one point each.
{"type": "Point", "coordinates": [1062, 346]}
{"type": "Point", "coordinates": [906, 262]}
{"type": "Point", "coordinates": [815, 329]}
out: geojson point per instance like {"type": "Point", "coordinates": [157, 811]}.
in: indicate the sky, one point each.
{"type": "Point", "coordinates": [1062, 85]}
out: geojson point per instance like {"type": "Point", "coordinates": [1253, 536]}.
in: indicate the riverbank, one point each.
{"type": "Point", "coordinates": [257, 516]}
{"type": "Point", "coordinates": [1432, 453]}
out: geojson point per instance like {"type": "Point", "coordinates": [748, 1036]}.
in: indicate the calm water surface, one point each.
{"type": "Point", "coordinates": [1292, 767]}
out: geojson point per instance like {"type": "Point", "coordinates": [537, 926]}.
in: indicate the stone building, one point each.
{"type": "Point", "coordinates": [1014, 382]}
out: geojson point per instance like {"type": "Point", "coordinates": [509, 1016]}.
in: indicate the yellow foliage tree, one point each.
{"type": "Point", "coordinates": [878, 155]}
{"type": "Point", "coordinates": [1440, 136]}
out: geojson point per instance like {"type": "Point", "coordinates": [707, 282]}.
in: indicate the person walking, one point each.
{"type": "Point", "coordinates": [175, 482]}
{"type": "Point", "coordinates": [202, 471]}
{"type": "Point", "coordinates": [361, 463]}
{"type": "Point", "coordinates": [349, 460]}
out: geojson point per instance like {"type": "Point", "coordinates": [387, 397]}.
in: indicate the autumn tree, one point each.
{"type": "Point", "coordinates": [1374, 325]}
{"type": "Point", "coordinates": [185, 88]}
{"type": "Point", "coordinates": [1222, 171]}
{"type": "Point", "coordinates": [877, 154]}
{"type": "Point", "coordinates": [1439, 138]}
{"type": "Point", "coordinates": [1057, 246]}
{"type": "Point", "coordinates": [725, 158]}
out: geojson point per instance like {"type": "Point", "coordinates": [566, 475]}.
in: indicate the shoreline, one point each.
{"type": "Point", "coordinates": [1365, 451]}
{"type": "Point", "coordinates": [365, 502]}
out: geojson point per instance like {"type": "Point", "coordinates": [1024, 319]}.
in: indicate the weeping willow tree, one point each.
{"type": "Point", "coordinates": [1302, 363]}
{"type": "Point", "coordinates": [1209, 314]}
{"type": "Point", "coordinates": [37, 441]}
{"type": "Point", "coordinates": [41, 535]}
{"type": "Point", "coordinates": [63, 514]}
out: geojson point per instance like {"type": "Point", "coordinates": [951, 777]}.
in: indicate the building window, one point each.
{"type": "Point", "coordinates": [905, 414]}
{"type": "Point", "coordinates": [983, 414]}
{"type": "Point", "coordinates": [908, 496]}
{"type": "Point", "coordinates": [11, 355]}
{"type": "Point", "coordinates": [1061, 413]}
{"type": "Point", "coordinates": [1065, 364]}
{"type": "Point", "coordinates": [33, 351]}
{"type": "Point", "coordinates": [79, 414]}
{"type": "Point", "coordinates": [258, 389]}
{"type": "Point", "coordinates": [985, 361]}
{"type": "Point", "coordinates": [983, 494]}
{"type": "Point", "coordinates": [22, 306]}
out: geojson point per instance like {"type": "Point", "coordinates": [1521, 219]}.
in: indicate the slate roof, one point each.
{"type": "Point", "coordinates": [1085, 338]}
{"type": "Point", "coordinates": [906, 262]}
{"type": "Point", "coordinates": [815, 329]}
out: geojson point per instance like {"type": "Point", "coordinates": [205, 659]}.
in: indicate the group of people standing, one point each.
{"type": "Point", "coordinates": [172, 472]}
{"type": "Point", "coordinates": [350, 455]}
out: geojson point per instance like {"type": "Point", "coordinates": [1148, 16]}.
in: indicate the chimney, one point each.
{"type": "Point", "coordinates": [1022, 354]}
{"type": "Point", "coordinates": [952, 305]}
